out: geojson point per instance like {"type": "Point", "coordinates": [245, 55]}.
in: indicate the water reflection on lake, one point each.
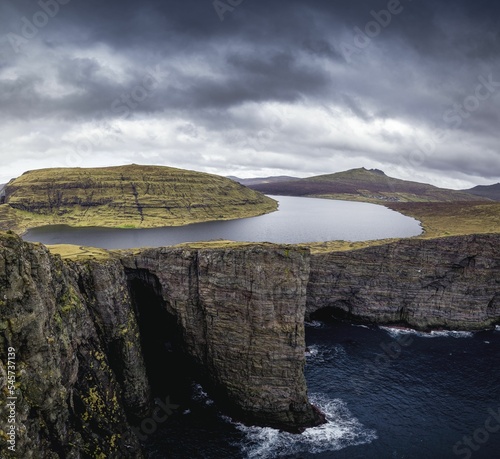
{"type": "Point", "coordinates": [298, 220]}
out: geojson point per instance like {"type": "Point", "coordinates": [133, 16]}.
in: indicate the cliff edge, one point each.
{"type": "Point", "coordinates": [80, 332]}
{"type": "Point", "coordinates": [88, 331]}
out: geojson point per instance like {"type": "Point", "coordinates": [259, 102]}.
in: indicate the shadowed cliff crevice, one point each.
{"type": "Point", "coordinates": [160, 337]}
{"type": "Point", "coordinates": [240, 314]}
{"type": "Point", "coordinates": [341, 311]}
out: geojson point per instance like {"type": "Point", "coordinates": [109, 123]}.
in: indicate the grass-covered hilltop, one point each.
{"type": "Point", "coordinates": [368, 185]}
{"type": "Point", "coordinates": [130, 196]}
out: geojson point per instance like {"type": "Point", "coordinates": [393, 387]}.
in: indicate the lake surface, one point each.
{"type": "Point", "coordinates": [440, 392]}
{"type": "Point", "coordinates": [297, 220]}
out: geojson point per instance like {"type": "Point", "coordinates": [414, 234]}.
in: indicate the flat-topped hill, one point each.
{"type": "Point", "coordinates": [364, 185]}
{"type": "Point", "coordinates": [126, 196]}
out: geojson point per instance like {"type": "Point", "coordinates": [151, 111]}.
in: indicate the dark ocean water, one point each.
{"type": "Point", "coordinates": [387, 393]}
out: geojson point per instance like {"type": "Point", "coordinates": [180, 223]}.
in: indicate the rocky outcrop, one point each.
{"type": "Point", "coordinates": [61, 320]}
{"type": "Point", "coordinates": [81, 373]}
{"type": "Point", "coordinates": [86, 333]}
{"type": "Point", "coordinates": [240, 314]}
{"type": "Point", "coordinates": [449, 282]}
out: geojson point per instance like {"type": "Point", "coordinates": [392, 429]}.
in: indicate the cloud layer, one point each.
{"type": "Point", "coordinates": [253, 88]}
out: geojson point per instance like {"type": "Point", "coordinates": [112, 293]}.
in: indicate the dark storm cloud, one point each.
{"type": "Point", "coordinates": [129, 60]}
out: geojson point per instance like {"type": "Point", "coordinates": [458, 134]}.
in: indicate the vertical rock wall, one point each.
{"type": "Point", "coordinates": [81, 379]}
{"type": "Point", "coordinates": [60, 319]}
{"type": "Point", "coordinates": [241, 314]}
{"type": "Point", "coordinates": [450, 282]}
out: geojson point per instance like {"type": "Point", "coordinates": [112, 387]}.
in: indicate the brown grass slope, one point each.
{"type": "Point", "coordinates": [364, 185]}
{"type": "Point", "coordinates": [486, 191]}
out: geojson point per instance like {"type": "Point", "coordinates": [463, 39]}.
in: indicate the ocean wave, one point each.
{"type": "Point", "coordinates": [361, 326]}
{"type": "Point", "coordinates": [341, 430]}
{"type": "Point", "coordinates": [322, 354]}
{"type": "Point", "coordinates": [314, 324]}
{"type": "Point", "coordinates": [497, 328]}
{"type": "Point", "coordinates": [395, 332]}
{"type": "Point", "coordinates": [199, 395]}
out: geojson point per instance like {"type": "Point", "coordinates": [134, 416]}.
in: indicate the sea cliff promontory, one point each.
{"type": "Point", "coordinates": [235, 311]}
{"type": "Point", "coordinates": [79, 327]}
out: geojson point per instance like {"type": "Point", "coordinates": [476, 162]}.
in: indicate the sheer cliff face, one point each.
{"type": "Point", "coordinates": [81, 374]}
{"type": "Point", "coordinates": [450, 282]}
{"type": "Point", "coordinates": [61, 321]}
{"type": "Point", "coordinates": [240, 312]}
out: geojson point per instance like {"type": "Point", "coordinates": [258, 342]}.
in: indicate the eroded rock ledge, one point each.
{"type": "Point", "coordinates": [451, 283]}
{"type": "Point", "coordinates": [237, 314]}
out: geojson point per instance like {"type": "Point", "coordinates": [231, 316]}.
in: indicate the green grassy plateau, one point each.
{"type": "Point", "coordinates": [125, 197]}
{"type": "Point", "coordinates": [149, 196]}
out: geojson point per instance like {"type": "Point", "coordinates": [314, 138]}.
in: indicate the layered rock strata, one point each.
{"type": "Point", "coordinates": [449, 282]}
{"type": "Point", "coordinates": [81, 378]}
{"type": "Point", "coordinates": [80, 328]}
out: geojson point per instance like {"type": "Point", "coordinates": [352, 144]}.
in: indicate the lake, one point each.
{"type": "Point", "coordinates": [297, 220]}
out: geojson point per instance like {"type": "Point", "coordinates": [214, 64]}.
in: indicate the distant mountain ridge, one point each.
{"type": "Point", "coordinates": [486, 191]}
{"type": "Point", "coordinates": [362, 184]}
{"type": "Point", "coordinates": [262, 180]}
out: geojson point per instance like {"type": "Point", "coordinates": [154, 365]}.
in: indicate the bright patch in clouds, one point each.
{"type": "Point", "coordinates": [265, 92]}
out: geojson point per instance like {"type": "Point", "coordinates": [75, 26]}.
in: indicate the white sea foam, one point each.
{"type": "Point", "coordinates": [323, 354]}
{"type": "Point", "coordinates": [311, 352]}
{"type": "Point", "coordinates": [361, 326]}
{"type": "Point", "coordinates": [497, 328]}
{"type": "Point", "coordinates": [341, 430]}
{"type": "Point", "coordinates": [315, 324]}
{"type": "Point", "coordinates": [200, 395]}
{"type": "Point", "coordinates": [395, 332]}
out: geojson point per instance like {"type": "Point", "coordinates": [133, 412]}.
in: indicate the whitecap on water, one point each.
{"type": "Point", "coordinates": [341, 430]}
{"type": "Point", "coordinates": [361, 326]}
{"type": "Point", "coordinates": [395, 332]}
{"type": "Point", "coordinates": [314, 324]}
{"type": "Point", "coordinates": [199, 395]}
{"type": "Point", "coordinates": [497, 328]}
{"type": "Point", "coordinates": [323, 354]}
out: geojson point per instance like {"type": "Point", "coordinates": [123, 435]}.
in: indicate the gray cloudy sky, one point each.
{"type": "Point", "coordinates": [253, 87]}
